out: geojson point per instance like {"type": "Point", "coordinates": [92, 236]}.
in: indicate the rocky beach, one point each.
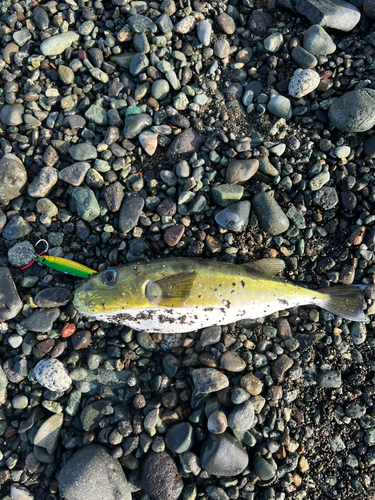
{"type": "Point", "coordinates": [230, 131]}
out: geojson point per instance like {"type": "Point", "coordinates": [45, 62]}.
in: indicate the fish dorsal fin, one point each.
{"type": "Point", "coordinates": [172, 291]}
{"type": "Point", "coordinates": [267, 267]}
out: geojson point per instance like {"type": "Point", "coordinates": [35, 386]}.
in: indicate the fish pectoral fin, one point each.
{"type": "Point", "coordinates": [267, 267]}
{"type": "Point", "coordinates": [172, 291]}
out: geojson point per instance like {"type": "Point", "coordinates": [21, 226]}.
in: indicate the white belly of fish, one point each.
{"type": "Point", "coordinates": [182, 320]}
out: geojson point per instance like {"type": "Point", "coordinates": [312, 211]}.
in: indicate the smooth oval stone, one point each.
{"type": "Point", "coordinates": [83, 152]}
{"type": "Point", "coordinates": [204, 30]}
{"type": "Point", "coordinates": [231, 362]}
{"type": "Point", "coordinates": [241, 170]}
{"type": "Point", "coordinates": [92, 474]}
{"type": "Point", "coordinates": [52, 374]}
{"type": "Point", "coordinates": [270, 215]}
{"type": "Point", "coordinates": [41, 18]}
{"type": "Point", "coordinates": [16, 228]}
{"type": "Point", "coordinates": [241, 418]}
{"type": "Point", "coordinates": [134, 124]}
{"type": "Point", "coordinates": [280, 107]}
{"type": "Point", "coordinates": [318, 42]}
{"type": "Point", "coordinates": [11, 114]}
{"type": "Point", "coordinates": [354, 111]}
{"type": "Point", "coordinates": [43, 182]}
{"type": "Point", "coordinates": [223, 455]}
{"type": "Point", "coordinates": [226, 195]}
{"type": "Point", "coordinates": [13, 177]}
{"type": "Point", "coordinates": [55, 45]}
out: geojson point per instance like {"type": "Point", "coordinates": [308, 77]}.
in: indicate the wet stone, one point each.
{"type": "Point", "coordinates": [134, 125]}
{"type": "Point", "coordinates": [210, 335]}
{"type": "Point", "coordinates": [231, 362]}
{"type": "Point", "coordinates": [55, 45]}
{"type": "Point", "coordinates": [354, 111]}
{"type": "Point", "coordinates": [280, 107]}
{"type": "Point", "coordinates": [303, 58]}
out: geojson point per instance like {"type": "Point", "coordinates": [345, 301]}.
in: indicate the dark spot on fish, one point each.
{"type": "Point", "coordinates": [199, 296]}
{"type": "Point", "coordinates": [283, 301]}
{"type": "Point", "coordinates": [242, 283]}
{"type": "Point", "coordinates": [234, 284]}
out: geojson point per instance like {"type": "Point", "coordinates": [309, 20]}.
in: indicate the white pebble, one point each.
{"type": "Point", "coordinates": [303, 82]}
{"type": "Point", "coordinates": [52, 374]}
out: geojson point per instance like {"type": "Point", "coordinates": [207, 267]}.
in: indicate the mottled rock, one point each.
{"type": "Point", "coordinates": [13, 177]}
{"type": "Point", "coordinates": [186, 143]}
{"type": "Point", "coordinates": [160, 478]}
{"type": "Point", "coordinates": [10, 302]}
{"type": "Point", "coordinates": [303, 82]}
{"type": "Point", "coordinates": [52, 374]}
{"type": "Point", "coordinates": [354, 111]}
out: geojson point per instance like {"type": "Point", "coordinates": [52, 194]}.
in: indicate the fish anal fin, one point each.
{"type": "Point", "coordinates": [267, 267]}
{"type": "Point", "coordinates": [171, 291]}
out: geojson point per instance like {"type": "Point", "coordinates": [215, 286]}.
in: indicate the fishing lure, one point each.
{"type": "Point", "coordinates": [59, 264]}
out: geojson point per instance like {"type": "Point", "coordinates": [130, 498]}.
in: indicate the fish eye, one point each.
{"type": "Point", "coordinates": [109, 277]}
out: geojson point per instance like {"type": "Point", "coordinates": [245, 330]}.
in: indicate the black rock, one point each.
{"type": "Point", "coordinates": [53, 297]}
{"type": "Point", "coordinates": [130, 213]}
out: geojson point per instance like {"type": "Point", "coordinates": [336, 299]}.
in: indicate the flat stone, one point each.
{"type": "Point", "coordinates": [185, 25]}
{"type": "Point", "coordinates": [159, 477]}
{"type": "Point", "coordinates": [221, 48]}
{"type": "Point", "coordinates": [9, 51]}
{"type": "Point", "coordinates": [280, 366]}
{"type": "Point", "coordinates": [251, 384]}
{"type": "Point", "coordinates": [186, 143]}
{"type": "Point", "coordinates": [336, 14]}
{"type": "Point", "coordinates": [318, 42]}
{"type": "Point", "coordinates": [41, 18]}
{"type": "Point", "coordinates": [130, 212]}
{"type": "Point", "coordinates": [91, 473]}
{"type": "Point", "coordinates": [12, 114]}
{"type": "Point", "coordinates": [113, 196]}
{"type": "Point", "coordinates": [270, 215]}
{"type": "Point", "coordinates": [273, 42]}
{"type": "Point", "coordinates": [173, 235]}
{"type": "Point", "coordinates": [142, 24]}
{"type": "Point", "coordinates": [66, 74]}
{"type": "Point", "coordinates": [326, 198]}
{"type": "Point", "coordinates": [264, 469]}
{"type": "Point", "coordinates": [204, 30]}
{"type": "Point", "coordinates": [226, 195]}
{"type": "Point", "coordinates": [226, 23]}
{"type": "Point", "coordinates": [354, 111]}
{"type": "Point", "coordinates": [223, 455]}
{"type": "Point", "coordinates": [149, 141]}
{"type": "Point", "coordinates": [13, 177]}
{"type": "Point", "coordinates": [56, 45]}
{"type": "Point", "coordinates": [232, 362]}
{"type": "Point", "coordinates": [234, 217]}
{"type": "Point", "coordinates": [97, 114]}
{"type": "Point", "coordinates": [41, 320]}
{"type": "Point", "coordinates": [10, 302]}
{"type": "Point", "coordinates": [51, 374]}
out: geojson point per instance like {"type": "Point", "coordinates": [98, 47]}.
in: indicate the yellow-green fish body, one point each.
{"type": "Point", "coordinates": [182, 295]}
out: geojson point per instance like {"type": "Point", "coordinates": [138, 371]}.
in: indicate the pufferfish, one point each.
{"type": "Point", "coordinates": [178, 295]}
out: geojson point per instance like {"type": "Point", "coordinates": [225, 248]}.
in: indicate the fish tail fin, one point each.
{"type": "Point", "coordinates": [344, 301]}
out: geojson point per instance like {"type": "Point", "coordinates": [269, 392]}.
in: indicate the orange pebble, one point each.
{"type": "Point", "coordinates": [68, 330]}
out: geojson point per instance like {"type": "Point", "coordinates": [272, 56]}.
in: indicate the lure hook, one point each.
{"type": "Point", "coordinates": [46, 247]}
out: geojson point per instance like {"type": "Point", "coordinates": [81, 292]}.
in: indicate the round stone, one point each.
{"type": "Point", "coordinates": [223, 455]}
{"type": "Point", "coordinates": [234, 217]}
{"type": "Point", "coordinates": [159, 476]}
{"type": "Point", "coordinates": [209, 380]}
{"type": "Point", "coordinates": [180, 437]}
{"type": "Point", "coordinates": [318, 42]}
{"type": "Point", "coordinates": [222, 48]}
{"type": "Point", "coordinates": [273, 42]}
{"type": "Point", "coordinates": [160, 89]}
{"type": "Point", "coordinates": [241, 418]}
{"type": "Point", "coordinates": [280, 107]}
{"type": "Point", "coordinates": [11, 114]}
{"type": "Point", "coordinates": [231, 362]}
{"type": "Point", "coordinates": [303, 82]}
{"type": "Point", "coordinates": [51, 374]}
{"type": "Point", "coordinates": [241, 170]}
{"type": "Point", "coordinates": [21, 254]}
{"type": "Point", "coordinates": [204, 30]}
{"type": "Point", "coordinates": [217, 422]}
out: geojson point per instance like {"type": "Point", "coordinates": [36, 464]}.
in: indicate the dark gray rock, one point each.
{"type": "Point", "coordinates": [329, 379]}
{"type": "Point", "coordinates": [223, 455]}
{"type": "Point", "coordinates": [10, 302]}
{"type": "Point", "coordinates": [186, 143]}
{"type": "Point", "coordinates": [92, 414]}
{"type": "Point", "coordinates": [259, 23]}
{"type": "Point", "coordinates": [16, 228]}
{"type": "Point", "coordinates": [41, 320]}
{"type": "Point", "coordinates": [130, 212]}
{"type": "Point", "coordinates": [134, 124]}
{"type": "Point", "coordinates": [92, 474]}
{"type": "Point", "coordinates": [180, 437]}
{"type": "Point", "coordinates": [160, 478]}
{"type": "Point", "coordinates": [354, 111]}
{"type": "Point", "coordinates": [53, 297]}
{"type": "Point", "coordinates": [326, 198]}
{"type": "Point", "coordinates": [270, 215]}
{"type": "Point", "coordinates": [83, 151]}
{"type": "Point", "coordinates": [264, 469]}
{"type": "Point", "coordinates": [75, 174]}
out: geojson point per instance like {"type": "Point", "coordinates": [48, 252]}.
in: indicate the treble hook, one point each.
{"type": "Point", "coordinates": [46, 247]}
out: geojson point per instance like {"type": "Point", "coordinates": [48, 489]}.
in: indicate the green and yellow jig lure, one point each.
{"type": "Point", "coordinates": [62, 265]}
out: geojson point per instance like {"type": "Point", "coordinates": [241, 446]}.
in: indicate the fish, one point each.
{"type": "Point", "coordinates": [179, 295]}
